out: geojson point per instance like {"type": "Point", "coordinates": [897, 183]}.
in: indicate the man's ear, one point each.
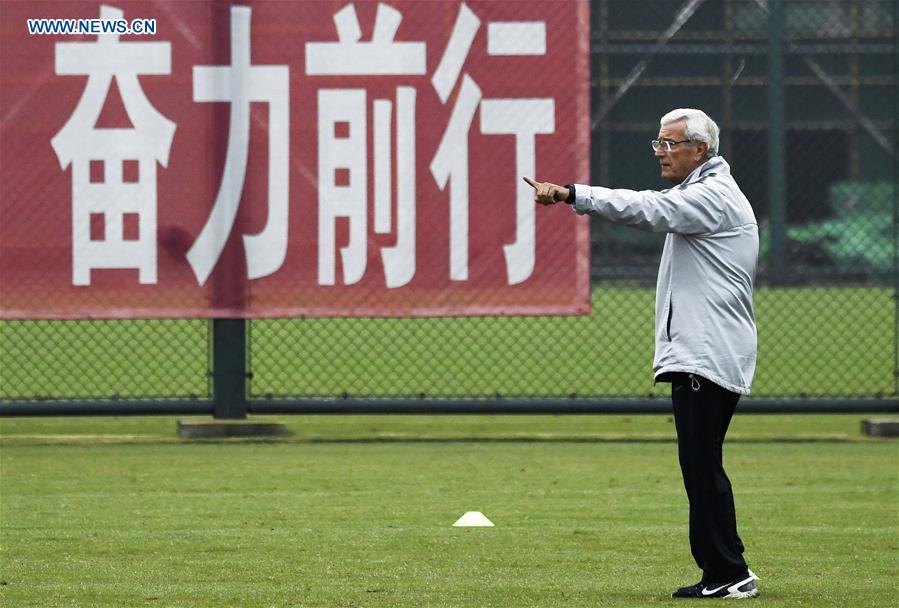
{"type": "Point", "coordinates": [702, 150]}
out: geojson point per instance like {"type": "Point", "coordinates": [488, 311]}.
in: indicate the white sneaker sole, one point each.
{"type": "Point", "coordinates": [742, 595]}
{"type": "Point", "coordinates": [735, 592]}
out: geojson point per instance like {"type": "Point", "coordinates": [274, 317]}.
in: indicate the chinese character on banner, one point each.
{"type": "Point", "coordinates": [240, 84]}
{"type": "Point", "coordinates": [110, 197]}
{"type": "Point", "coordinates": [343, 149]}
{"type": "Point", "coordinates": [523, 118]}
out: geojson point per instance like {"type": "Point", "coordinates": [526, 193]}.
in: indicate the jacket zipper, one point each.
{"type": "Point", "coordinates": [670, 312]}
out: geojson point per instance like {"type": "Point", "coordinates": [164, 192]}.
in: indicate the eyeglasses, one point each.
{"type": "Point", "coordinates": [666, 143]}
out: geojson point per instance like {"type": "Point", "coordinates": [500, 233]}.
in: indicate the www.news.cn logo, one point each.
{"type": "Point", "coordinates": [96, 27]}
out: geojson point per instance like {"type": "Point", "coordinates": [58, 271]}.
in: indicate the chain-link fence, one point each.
{"type": "Point", "coordinates": [806, 95]}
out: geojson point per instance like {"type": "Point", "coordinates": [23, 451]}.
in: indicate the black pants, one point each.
{"type": "Point", "coordinates": [702, 413]}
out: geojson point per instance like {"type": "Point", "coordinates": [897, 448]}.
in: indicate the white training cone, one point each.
{"type": "Point", "coordinates": [473, 519]}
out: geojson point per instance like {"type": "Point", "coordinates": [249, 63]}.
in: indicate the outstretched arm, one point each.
{"type": "Point", "coordinates": [546, 193]}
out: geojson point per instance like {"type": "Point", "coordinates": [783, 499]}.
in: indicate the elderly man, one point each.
{"type": "Point", "coordinates": [705, 331]}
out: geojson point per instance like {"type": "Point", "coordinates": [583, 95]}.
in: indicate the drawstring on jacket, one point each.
{"type": "Point", "coordinates": [694, 383]}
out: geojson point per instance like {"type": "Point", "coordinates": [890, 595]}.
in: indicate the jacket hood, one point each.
{"type": "Point", "coordinates": [716, 164]}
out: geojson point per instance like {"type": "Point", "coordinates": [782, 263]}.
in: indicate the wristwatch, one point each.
{"type": "Point", "coordinates": [570, 199]}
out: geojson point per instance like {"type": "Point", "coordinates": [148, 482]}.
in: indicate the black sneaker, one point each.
{"type": "Point", "coordinates": [740, 589]}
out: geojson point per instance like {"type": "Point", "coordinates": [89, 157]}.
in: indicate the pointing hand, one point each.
{"type": "Point", "coordinates": [546, 193]}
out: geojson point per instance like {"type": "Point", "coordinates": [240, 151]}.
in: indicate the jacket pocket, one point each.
{"type": "Point", "coordinates": [670, 313]}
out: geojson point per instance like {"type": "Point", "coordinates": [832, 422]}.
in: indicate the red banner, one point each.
{"type": "Point", "coordinates": [263, 159]}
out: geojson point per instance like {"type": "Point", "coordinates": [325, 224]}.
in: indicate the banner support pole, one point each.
{"type": "Point", "coordinates": [229, 368]}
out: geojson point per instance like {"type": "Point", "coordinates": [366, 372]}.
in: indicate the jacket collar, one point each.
{"type": "Point", "coordinates": [716, 164]}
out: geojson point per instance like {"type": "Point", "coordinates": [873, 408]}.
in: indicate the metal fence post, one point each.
{"type": "Point", "coordinates": [777, 215]}
{"type": "Point", "coordinates": [896, 198]}
{"type": "Point", "coordinates": [229, 368]}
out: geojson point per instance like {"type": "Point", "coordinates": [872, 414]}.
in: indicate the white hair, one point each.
{"type": "Point", "coordinates": [698, 126]}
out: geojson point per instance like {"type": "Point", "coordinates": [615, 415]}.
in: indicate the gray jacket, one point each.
{"type": "Point", "coordinates": [705, 323]}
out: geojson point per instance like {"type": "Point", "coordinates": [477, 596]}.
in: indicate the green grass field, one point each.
{"type": "Point", "coordinates": [357, 511]}
{"type": "Point", "coordinates": [813, 341]}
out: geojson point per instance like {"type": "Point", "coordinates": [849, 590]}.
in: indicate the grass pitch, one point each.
{"type": "Point", "coordinates": [357, 511]}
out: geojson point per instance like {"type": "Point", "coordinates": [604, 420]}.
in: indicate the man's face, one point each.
{"type": "Point", "coordinates": [683, 158]}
